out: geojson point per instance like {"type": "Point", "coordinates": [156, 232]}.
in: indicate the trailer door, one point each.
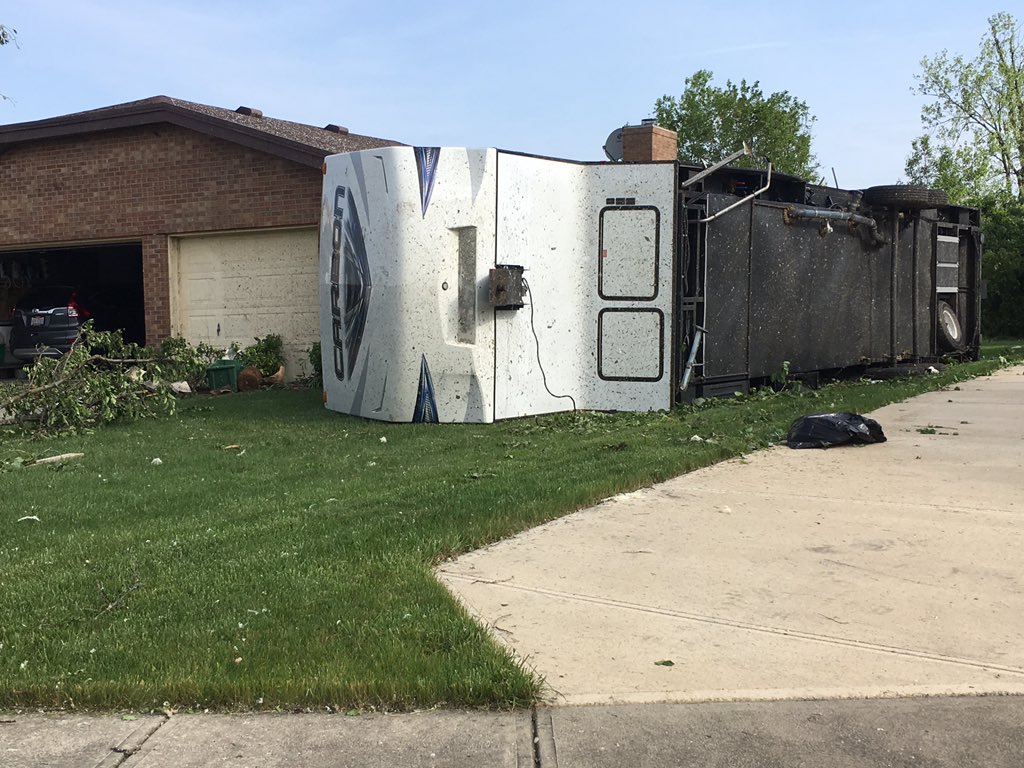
{"type": "Point", "coordinates": [630, 329]}
{"type": "Point", "coordinates": [596, 245]}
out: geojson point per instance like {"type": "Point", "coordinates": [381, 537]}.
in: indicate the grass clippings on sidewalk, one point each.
{"type": "Point", "coordinates": [279, 555]}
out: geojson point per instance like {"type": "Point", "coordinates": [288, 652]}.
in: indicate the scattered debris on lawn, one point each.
{"type": "Point", "coordinates": [20, 462]}
{"type": "Point", "coordinates": [29, 517]}
{"type": "Point", "coordinates": [61, 457]}
{"type": "Point", "coordinates": [933, 429]}
{"type": "Point", "coordinates": [114, 602]}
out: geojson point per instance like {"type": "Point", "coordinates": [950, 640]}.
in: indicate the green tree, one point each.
{"type": "Point", "coordinates": [973, 147]}
{"type": "Point", "coordinates": [7, 36]}
{"type": "Point", "coordinates": [1003, 268]}
{"type": "Point", "coordinates": [963, 171]}
{"type": "Point", "coordinates": [974, 126]}
{"type": "Point", "coordinates": [714, 122]}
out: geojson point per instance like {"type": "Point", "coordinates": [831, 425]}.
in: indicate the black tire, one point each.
{"type": "Point", "coordinates": [950, 334]}
{"type": "Point", "coordinates": [906, 196]}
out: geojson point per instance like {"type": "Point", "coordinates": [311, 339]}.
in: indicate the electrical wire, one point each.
{"type": "Point", "coordinates": [533, 329]}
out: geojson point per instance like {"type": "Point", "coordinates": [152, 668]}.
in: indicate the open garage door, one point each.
{"type": "Point", "coordinates": [106, 280]}
{"type": "Point", "coordinates": [233, 287]}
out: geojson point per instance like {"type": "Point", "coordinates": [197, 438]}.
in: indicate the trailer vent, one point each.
{"type": "Point", "coordinates": [249, 111]}
{"type": "Point", "coordinates": [335, 128]}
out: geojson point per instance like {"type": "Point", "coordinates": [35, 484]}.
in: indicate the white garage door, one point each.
{"type": "Point", "coordinates": [234, 287]}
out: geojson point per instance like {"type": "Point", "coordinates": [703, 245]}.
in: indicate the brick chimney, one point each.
{"type": "Point", "coordinates": [648, 142]}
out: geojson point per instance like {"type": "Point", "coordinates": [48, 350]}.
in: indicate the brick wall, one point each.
{"type": "Point", "coordinates": [144, 184]}
{"type": "Point", "coordinates": [644, 143]}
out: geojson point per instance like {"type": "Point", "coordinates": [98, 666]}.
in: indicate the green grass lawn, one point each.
{"type": "Point", "coordinates": [294, 570]}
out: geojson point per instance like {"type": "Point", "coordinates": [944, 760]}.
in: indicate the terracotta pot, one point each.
{"type": "Point", "coordinates": [275, 378]}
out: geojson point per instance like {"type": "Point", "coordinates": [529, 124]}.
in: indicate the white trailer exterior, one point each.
{"type": "Point", "coordinates": [409, 239]}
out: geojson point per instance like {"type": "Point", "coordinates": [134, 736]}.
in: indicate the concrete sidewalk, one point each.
{"type": "Point", "coordinates": [891, 569]}
{"type": "Point", "coordinates": [882, 733]}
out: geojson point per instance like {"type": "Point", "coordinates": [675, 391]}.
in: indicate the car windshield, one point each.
{"type": "Point", "coordinates": [46, 297]}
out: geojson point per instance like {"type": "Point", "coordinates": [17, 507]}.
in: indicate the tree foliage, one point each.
{"type": "Point", "coordinates": [1003, 268]}
{"type": "Point", "coordinates": [714, 122]}
{"type": "Point", "coordinates": [973, 147]}
{"type": "Point", "coordinates": [964, 171]}
{"type": "Point", "coordinates": [7, 36]}
{"type": "Point", "coordinates": [101, 379]}
{"type": "Point", "coordinates": [974, 125]}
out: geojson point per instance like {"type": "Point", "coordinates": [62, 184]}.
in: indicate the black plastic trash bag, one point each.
{"type": "Point", "coordinates": [823, 430]}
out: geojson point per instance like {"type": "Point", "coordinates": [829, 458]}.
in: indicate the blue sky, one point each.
{"type": "Point", "coordinates": [551, 78]}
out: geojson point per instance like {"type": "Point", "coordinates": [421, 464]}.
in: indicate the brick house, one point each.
{"type": "Point", "coordinates": [204, 221]}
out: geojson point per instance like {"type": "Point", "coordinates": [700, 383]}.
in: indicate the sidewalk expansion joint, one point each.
{"type": "Point", "coordinates": [750, 627]}
{"type": "Point", "coordinates": [543, 739]}
{"type": "Point", "coordinates": [132, 743]}
{"type": "Point", "coordinates": [788, 494]}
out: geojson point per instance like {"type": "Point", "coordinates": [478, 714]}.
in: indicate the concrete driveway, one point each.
{"type": "Point", "coordinates": [884, 570]}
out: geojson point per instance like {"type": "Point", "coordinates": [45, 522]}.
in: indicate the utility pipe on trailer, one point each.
{"type": "Point", "coordinates": [748, 199]}
{"type": "Point", "coordinates": [698, 336]}
{"type": "Point", "coordinates": [720, 164]}
{"type": "Point", "coordinates": [794, 212]}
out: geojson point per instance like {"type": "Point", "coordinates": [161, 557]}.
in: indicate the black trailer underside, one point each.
{"type": "Point", "coordinates": [778, 287]}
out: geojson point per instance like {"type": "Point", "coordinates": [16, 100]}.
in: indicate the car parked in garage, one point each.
{"type": "Point", "coordinates": [47, 321]}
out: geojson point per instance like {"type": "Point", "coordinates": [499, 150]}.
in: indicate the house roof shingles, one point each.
{"type": "Point", "coordinates": [305, 144]}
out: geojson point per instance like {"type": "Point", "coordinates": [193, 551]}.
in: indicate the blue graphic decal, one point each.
{"type": "Point", "coordinates": [357, 285]}
{"type": "Point", "coordinates": [426, 406]}
{"type": "Point", "coordinates": [426, 163]}
{"type": "Point", "coordinates": [350, 284]}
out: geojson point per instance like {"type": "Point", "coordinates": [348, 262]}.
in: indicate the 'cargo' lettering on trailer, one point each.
{"type": "Point", "coordinates": [337, 330]}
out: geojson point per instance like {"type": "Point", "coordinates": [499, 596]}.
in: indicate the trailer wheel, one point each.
{"type": "Point", "coordinates": [951, 335]}
{"type": "Point", "coordinates": [906, 196]}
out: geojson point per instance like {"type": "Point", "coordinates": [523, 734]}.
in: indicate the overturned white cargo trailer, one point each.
{"type": "Point", "coordinates": [462, 285]}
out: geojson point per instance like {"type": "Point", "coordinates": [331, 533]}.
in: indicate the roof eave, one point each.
{"type": "Point", "coordinates": [155, 114]}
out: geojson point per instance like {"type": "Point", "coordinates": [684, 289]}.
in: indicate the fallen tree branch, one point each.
{"type": "Point", "coordinates": [34, 391]}
{"type": "Point", "coordinates": [119, 600]}
{"type": "Point", "coordinates": [55, 459]}
{"type": "Point", "coordinates": [99, 380]}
